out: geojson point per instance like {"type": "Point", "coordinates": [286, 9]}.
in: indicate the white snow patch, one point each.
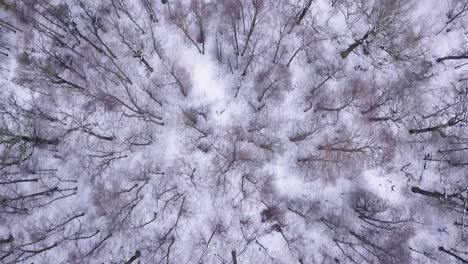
{"type": "Point", "coordinates": [207, 84]}
{"type": "Point", "coordinates": [383, 186]}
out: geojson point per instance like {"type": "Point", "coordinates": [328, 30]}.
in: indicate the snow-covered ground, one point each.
{"type": "Point", "coordinates": [233, 131]}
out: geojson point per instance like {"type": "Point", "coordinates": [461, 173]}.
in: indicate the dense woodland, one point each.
{"type": "Point", "coordinates": [233, 131]}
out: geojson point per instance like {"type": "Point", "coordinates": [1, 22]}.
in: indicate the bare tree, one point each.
{"type": "Point", "coordinates": [192, 20]}
{"type": "Point", "coordinates": [385, 20]}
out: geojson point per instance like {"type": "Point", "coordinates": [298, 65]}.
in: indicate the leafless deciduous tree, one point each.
{"type": "Point", "coordinates": [233, 131]}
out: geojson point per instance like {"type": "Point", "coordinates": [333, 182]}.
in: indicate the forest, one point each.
{"type": "Point", "coordinates": [233, 131]}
